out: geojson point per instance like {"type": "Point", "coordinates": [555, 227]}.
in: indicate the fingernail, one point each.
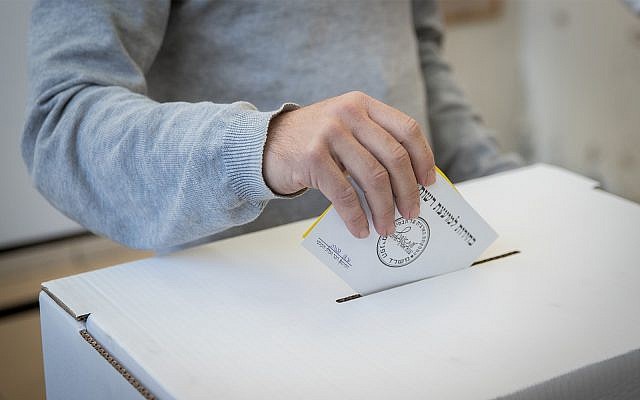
{"type": "Point", "coordinates": [363, 233]}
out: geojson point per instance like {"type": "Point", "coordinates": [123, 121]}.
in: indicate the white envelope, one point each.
{"type": "Point", "coordinates": [447, 236]}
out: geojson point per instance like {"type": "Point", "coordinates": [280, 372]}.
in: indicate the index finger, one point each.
{"type": "Point", "coordinates": [408, 133]}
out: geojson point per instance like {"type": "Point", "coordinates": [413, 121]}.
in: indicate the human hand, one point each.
{"type": "Point", "coordinates": [381, 148]}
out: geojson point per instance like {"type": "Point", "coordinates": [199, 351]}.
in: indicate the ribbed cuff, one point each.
{"type": "Point", "coordinates": [244, 141]}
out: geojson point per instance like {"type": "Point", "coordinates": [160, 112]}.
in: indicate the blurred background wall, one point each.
{"type": "Point", "coordinates": [581, 68]}
{"type": "Point", "coordinates": [25, 216]}
{"type": "Point", "coordinates": [559, 81]}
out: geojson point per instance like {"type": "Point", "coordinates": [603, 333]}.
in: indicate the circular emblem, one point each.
{"type": "Point", "coordinates": [406, 244]}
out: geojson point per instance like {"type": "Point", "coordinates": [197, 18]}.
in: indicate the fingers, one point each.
{"type": "Point", "coordinates": [332, 182]}
{"type": "Point", "coordinates": [373, 178]}
{"type": "Point", "coordinates": [408, 133]}
{"type": "Point", "coordinates": [383, 149]}
{"type": "Point", "coordinates": [397, 161]}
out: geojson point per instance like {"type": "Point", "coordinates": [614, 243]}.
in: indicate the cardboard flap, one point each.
{"type": "Point", "coordinates": [71, 295]}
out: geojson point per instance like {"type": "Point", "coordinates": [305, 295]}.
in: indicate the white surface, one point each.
{"type": "Point", "coordinates": [448, 235]}
{"type": "Point", "coordinates": [25, 216]}
{"type": "Point", "coordinates": [255, 316]}
{"type": "Point", "coordinates": [73, 369]}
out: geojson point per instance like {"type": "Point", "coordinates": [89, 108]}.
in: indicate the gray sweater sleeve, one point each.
{"type": "Point", "coordinates": [462, 146]}
{"type": "Point", "coordinates": [146, 174]}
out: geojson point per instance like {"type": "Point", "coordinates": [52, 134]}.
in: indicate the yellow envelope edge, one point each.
{"type": "Point", "coordinates": [313, 225]}
{"type": "Point", "coordinates": [446, 178]}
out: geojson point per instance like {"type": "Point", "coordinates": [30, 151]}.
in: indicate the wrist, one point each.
{"type": "Point", "coordinates": [242, 152]}
{"type": "Point", "coordinates": [276, 170]}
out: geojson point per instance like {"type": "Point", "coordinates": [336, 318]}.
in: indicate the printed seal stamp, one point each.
{"type": "Point", "coordinates": [406, 244]}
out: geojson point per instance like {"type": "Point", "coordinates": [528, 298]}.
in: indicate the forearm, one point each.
{"type": "Point", "coordinates": [146, 174]}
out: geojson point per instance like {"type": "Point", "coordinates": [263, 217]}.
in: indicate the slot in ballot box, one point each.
{"type": "Point", "coordinates": [256, 316]}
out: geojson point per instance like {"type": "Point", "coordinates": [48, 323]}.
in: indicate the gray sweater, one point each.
{"type": "Point", "coordinates": [147, 119]}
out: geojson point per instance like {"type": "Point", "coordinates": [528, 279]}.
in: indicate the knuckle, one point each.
{"type": "Point", "coordinates": [413, 193]}
{"type": "Point", "coordinates": [357, 98]}
{"type": "Point", "coordinates": [379, 178]}
{"type": "Point", "coordinates": [332, 129]}
{"type": "Point", "coordinates": [389, 213]}
{"type": "Point", "coordinates": [356, 219]}
{"type": "Point", "coordinates": [356, 95]}
{"type": "Point", "coordinates": [411, 128]}
{"type": "Point", "coordinates": [348, 198]}
{"type": "Point", "coordinates": [351, 110]}
{"type": "Point", "coordinates": [399, 157]}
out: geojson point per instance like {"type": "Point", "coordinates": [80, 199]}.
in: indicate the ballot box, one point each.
{"type": "Point", "coordinates": [550, 310]}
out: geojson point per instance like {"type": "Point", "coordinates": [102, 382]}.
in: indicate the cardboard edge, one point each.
{"type": "Point", "coordinates": [61, 304]}
{"type": "Point", "coordinates": [146, 393]}
{"type": "Point", "coordinates": [564, 176]}
{"type": "Point", "coordinates": [84, 333]}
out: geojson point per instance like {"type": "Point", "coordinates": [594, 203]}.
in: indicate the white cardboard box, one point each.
{"type": "Point", "coordinates": [256, 316]}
